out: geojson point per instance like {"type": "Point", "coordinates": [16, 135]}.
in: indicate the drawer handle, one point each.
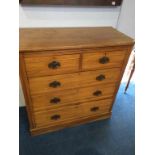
{"type": "Point", "coordinates": [104, 60]}
{"type": "Point", "coordinates": [55, 117]}
{"type": "Point", "coordinates": [94, 109]}
{"type": "Point", "coordinates": [54, 65]}
{"type": "Point", "coordinates": [100, 77]}
{"type": "Point", "coordinates": [55, 100]}
{"type": "Point", "coordinates": [55, 84]}
{"type": "Point", "coordinates": [97, 93]}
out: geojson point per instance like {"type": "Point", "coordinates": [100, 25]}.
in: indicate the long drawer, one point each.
{"type": "Point", "coordinates": [55, 117]}
{"type": "Point", "coordinates": [49, 64]}
{"type": "Point", "coordinates": [70, 81]}
{"type": "Point", "coordinates": [52, 100]}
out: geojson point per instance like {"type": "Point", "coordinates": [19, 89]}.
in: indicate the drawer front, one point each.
{"type": "Point", "coordinates": [70, 81]}
{"type": "Point", "coordinates": [55, 117]}
{"type": "Point", "coordinates": [42, 65]}
{"type": "Point", "coordinates": [98, 60]}
{"type": "Point", "coordinates": [49, 101]}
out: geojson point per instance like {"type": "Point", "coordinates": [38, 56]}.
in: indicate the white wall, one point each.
{"type": "Point", "coordinates": [126, 21]}
{"type": "Point", "coordinates": [67, 16]}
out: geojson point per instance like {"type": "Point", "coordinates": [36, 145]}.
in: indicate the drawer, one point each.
{"type": "Point", "coordinates": [98, 60]}
{"type": "Point", "coordinates": [45, 64]}
{"type": "Point", "coordinates": [75, 80]}
{"type": "Point", "coordinates": [52, 100]}
{"type": "Point", "coordinates": [87, 109]}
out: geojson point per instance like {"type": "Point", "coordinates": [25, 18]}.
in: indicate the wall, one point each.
{"type": "Point", "coordinates": [67, 16]}
{"type": "Point", "coordinates": [126, 21]}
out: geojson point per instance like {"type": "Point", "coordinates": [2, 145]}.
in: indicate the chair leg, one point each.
{"type": "Point", "coordinates": [132, 71]}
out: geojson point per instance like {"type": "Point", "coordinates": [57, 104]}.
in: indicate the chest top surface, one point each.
{"type": "Point", "coordinates": [39, 39]}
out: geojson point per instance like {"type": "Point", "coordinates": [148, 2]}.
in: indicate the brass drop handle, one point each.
{"type": "Point", "coordinates": [97, 93]}
{"type": "Point", "coordinates": [54, 65]}
{"type": "Point", "coordinates": [55, 84]}
{"type": "Point", "coordinates": [104, 60]}
{"type": "Point", "coordinates": [55, 100]}
{"type": "Point", "coordinates": [55, 117]}
{"type": "Point", "coordinates": [100, 77]}
{"type": "Point", "coordinates": [94, 109]}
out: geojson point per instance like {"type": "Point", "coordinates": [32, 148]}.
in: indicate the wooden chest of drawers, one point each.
{"type": "Point", "coordinates": [71, 76]}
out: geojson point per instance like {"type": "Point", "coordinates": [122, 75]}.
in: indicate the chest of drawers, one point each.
{"type": "Point", "coordinates": [70, 76]}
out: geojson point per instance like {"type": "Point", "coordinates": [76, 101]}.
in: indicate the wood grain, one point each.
{"type": "Point", "coordinates": [91, 60]}
{"type": "Point", "coordinates": [71, 81]}
{"type": "Point", "coordinates": [72, 112]}
{"type": "Point", "coordinates": [128, 52]}
{"type": "Point", "coordinates": [69, 123]}
{"type": "Point", "coordinates": [38, 64]}
{"type": "Point", "coordinates": [26, 91]}
{"type": "Point", "coordinates": [41, 39]}
{"type": "Point", "coordinates": [42, 102]}
{"type": "Point", "coordinates": [80, 75]}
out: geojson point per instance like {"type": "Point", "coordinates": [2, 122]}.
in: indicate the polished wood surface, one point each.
{"type": "Point", "coordinates": [68, 123]}
{"type": "Point", "coordinates": [26, 91]}
{"type": "Point", "coordinates": [74, 80]}
{"type": "Point", "coordinates": [41, 39]}
{"type": "Point", "coordinates": [71, 76]}
{"type": "Point", "coordinates": [38, 65]}
{"type": "Point", "coordinates": [45, 101]}
{"type": "Point", "coordinates": [72, 112]}
{"type": "Point", "coordinates": [91, 60]}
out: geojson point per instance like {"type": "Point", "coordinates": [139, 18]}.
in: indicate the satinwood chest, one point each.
{"type": "Point", "coordinates": [71, 76]}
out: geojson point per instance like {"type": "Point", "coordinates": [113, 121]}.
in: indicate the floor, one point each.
{"type": "Point", "coordinates": [114, 136]}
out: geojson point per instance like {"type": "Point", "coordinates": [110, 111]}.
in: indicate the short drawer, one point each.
{"type": "Point", "coordinates": [75, 80]}
{"type": "Point", "coordinates": [47, 101]}
{"type": "Point", "coordinates": [46, 64]}
{"type": "Point", "coordinates": [98, 60]}
{"type": "Point", "coordinates": [87, 109]}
